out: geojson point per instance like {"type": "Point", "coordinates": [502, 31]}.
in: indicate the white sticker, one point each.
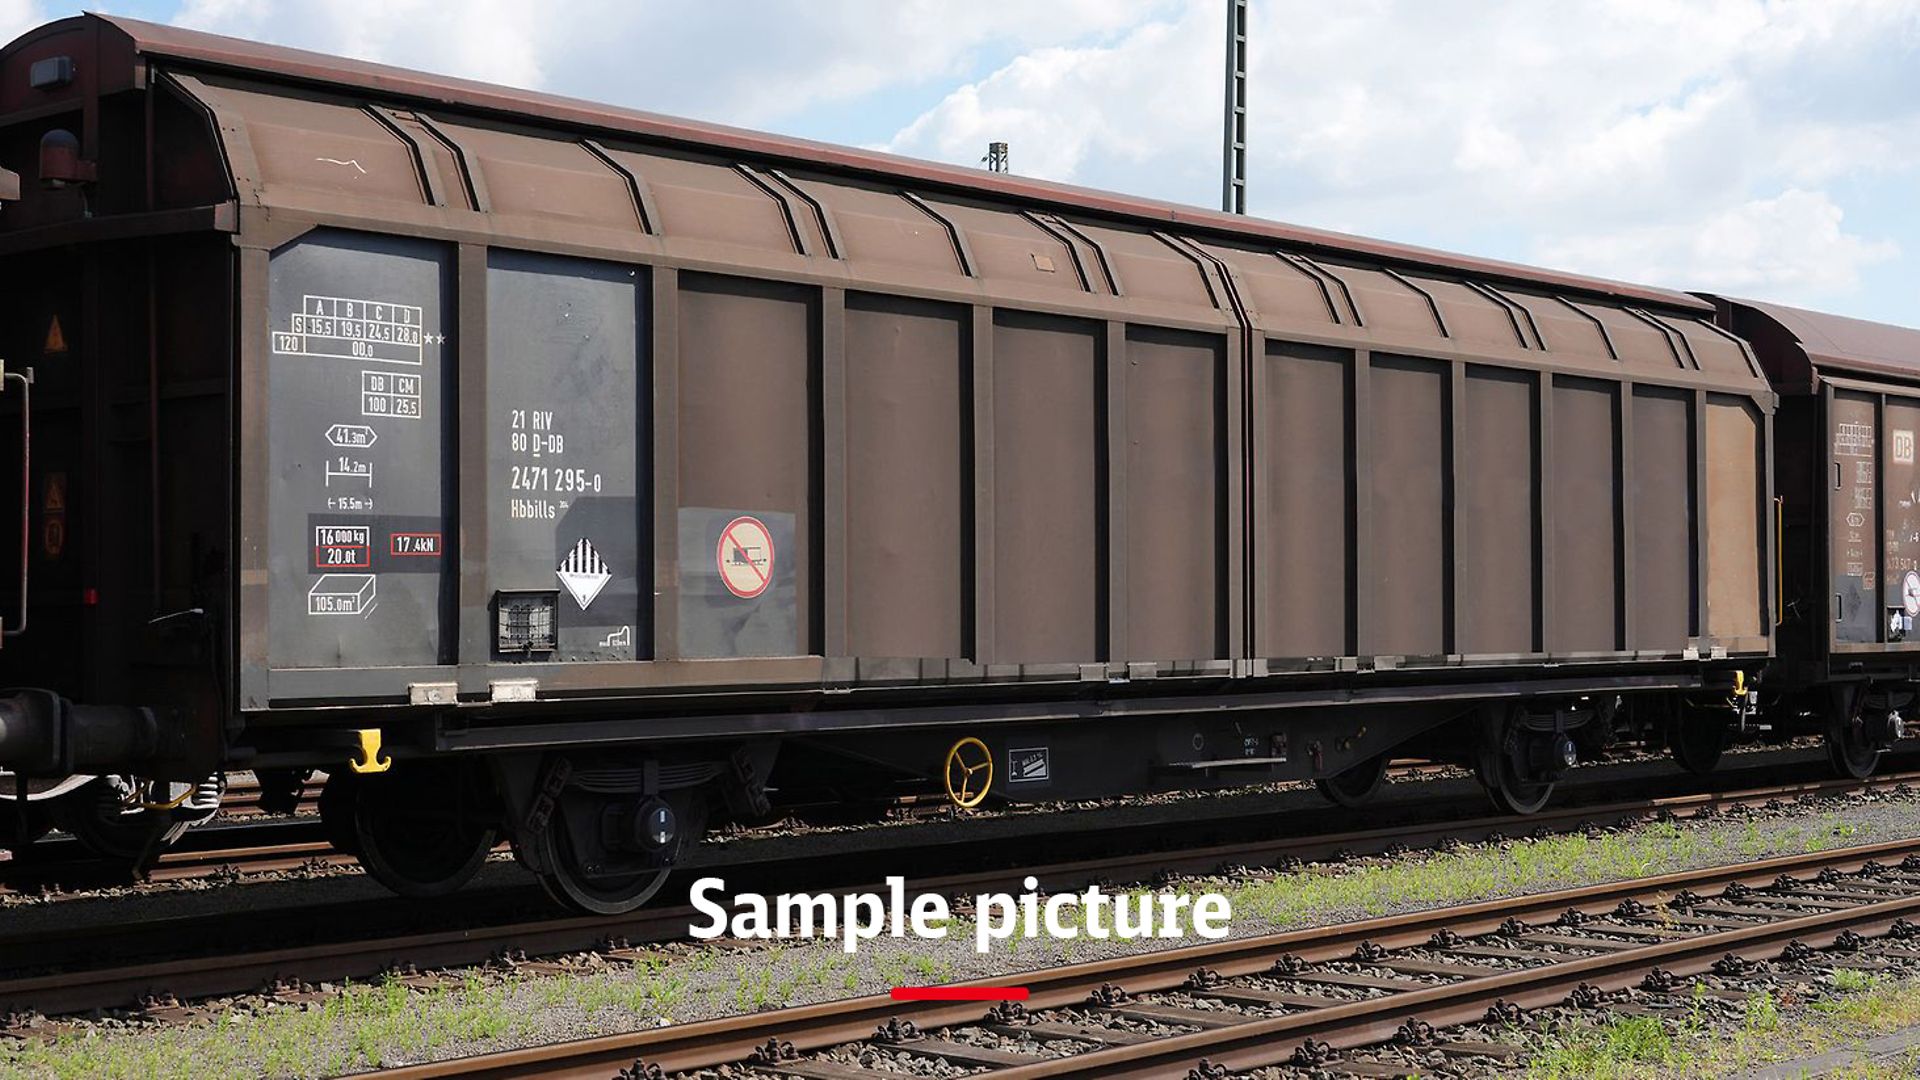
{"type": "Point", "coordinates": [389, 396]}
{"type": "Point", "coordinates": [349, 470]}
{"type": "Point", "coordinates": [354, 328]}
{"type": "Point", "coordinates": [352, 436]}
{"type": "Point", "coordinates": [583, 573]}
{"type": "Point", "coordinates": [1029, 764]}
{"type": "Point", "coordinates": [342, 594]}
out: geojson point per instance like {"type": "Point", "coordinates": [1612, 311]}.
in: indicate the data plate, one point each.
{"type": "Point", "coordinates": [358, 416]}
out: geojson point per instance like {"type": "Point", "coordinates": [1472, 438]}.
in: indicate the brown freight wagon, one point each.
{"type": "Point", "coordinates": [1849, 515]}
{"type": "Point", "coordinates": [593, 467]}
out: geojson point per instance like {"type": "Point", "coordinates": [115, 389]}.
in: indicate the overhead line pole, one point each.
{"type": "Point", "coordinates": [1233, 166]}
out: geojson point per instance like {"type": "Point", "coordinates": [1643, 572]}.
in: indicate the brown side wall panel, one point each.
{"type": "Point", "coordinates": [1585, 608]}
{"type": "Point", "coordinates": [748, 398]}
{"type": "Point", "coordinates": [1304, 574]}
{"type": "Point", "coordinates": [1409, 486]}
{"type": "Point", "coordinates": [1173, 494]}
{"type": "Point", "coordinates": [1734, 510]}
{"type": "Point", "coordinates": [1496, 508]}
{"type": "Point", "coordinates": [907, 486]}
{"type": "Point", "coordinates": [1663, 555]}
{"type": "Point", "coordinates": [1049, 559]}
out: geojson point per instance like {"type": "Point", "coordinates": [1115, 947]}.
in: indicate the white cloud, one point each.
{"type": "Point", "coordinates": [1053, 105]}
{"type": "Point", "coordinates": [1622, 135]}
{"type": "Point", "coordinates": [1452, 123]}
{"type": "Point", "coordinates": [740, 62]}
{"type": "Point", "coordinates": [1790, 247]}
{"type": "Point", "coordinates": [19, 16]}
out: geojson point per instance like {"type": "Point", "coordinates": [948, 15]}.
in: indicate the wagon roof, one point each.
{"type": "Point", "coordinates": [1840, 344]}
{"type": "Point", "coordinates": [298, 65]}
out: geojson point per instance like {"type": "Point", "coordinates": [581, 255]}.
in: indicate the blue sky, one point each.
{"type": "Point", "coordinates": [1767, 148]}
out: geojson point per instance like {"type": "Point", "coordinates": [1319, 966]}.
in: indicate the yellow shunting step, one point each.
{"type": "Point", "coordinates": [369, 759]}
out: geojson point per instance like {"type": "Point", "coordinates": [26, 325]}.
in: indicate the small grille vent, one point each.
{"type": "Point", "coordinates": [524, 622]}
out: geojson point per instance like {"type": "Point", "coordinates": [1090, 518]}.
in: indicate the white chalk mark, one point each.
{"type": "Point", "coordinates": [336, 161]}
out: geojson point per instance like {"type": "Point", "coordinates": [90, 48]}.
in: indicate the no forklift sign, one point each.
{"type": "Point", "coordinates": [745, 557]}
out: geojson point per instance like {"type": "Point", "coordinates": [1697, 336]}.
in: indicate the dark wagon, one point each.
{"type": "Point", "coordinates": [567, 473]}
{"type": "Point", "coordinates": [1849, 516]}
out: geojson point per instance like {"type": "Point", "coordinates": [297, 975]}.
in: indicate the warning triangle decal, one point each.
{"type": "Point", "coordinates": [56, 338]}
{"type": "Point", "coordinates": [583, 573]}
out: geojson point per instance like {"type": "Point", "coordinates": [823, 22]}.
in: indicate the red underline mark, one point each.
{"type": "Point", "coordinates": [959, 993]}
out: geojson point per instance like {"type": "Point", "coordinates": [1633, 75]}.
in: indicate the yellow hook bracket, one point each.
{"type": "Point", "coordinates": [965, 759]}
{"type": "Point", "coordinates": [369, 759]}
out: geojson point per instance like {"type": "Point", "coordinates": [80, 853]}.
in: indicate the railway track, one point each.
{"type": "Point", "coordinates": [1302, 998]}
{"type": "Point", "coordinates": [246, 842]}
{"type": "Point", "coordinates": [242, 798]}
{"type": "Point", "coordinates": [221, 852]}
{"type": "Point", "coordinates": [53, 978]}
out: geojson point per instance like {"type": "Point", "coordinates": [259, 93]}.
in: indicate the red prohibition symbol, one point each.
{"type": "Point", "coordinates": [745, 557]}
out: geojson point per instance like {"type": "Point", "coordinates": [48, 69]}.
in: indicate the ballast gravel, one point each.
{"type": "Point", "coordinates": [509, 1006]}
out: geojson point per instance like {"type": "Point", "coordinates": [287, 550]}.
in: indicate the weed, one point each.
{"type": "Point", "coordinates": [1852, 981]}
{"type": "Point", "coordinates": [1625, 1047]}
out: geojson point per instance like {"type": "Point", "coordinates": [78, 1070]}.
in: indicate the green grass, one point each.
{"type": "Point", "coordinates": [386, 1022]}
{"type": "Point", "coordinates": [361, 1027]}
{"type": "Point", "coordinates": [1770, 1031]}
{"type": "Point", "coordinates": [1479, 872]}
{"type": "Point", "coordinates": [1629, 1046]}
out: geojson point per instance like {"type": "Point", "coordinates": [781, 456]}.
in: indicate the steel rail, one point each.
{"type": "Point", "coordinates": [72, 988]}
{"type": "Point", "coordinates": [1264, 1042]}
{"type": "Point", "coordinates": [709, 1044]}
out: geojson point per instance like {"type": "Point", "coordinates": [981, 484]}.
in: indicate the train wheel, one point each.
{"type": "Point", "coordinates": [21, 824]}
{"type": "Point", "coordinates": [97, 814]}
{"type": "Point", "coordinates": [336, 812]}
{"type": "Point", "coordinates": [1852, 755]}
{"type": "Point", "coordinates": [1503, 763]}
{"type": "Point", "coordinates": [617, 894]}
{"type": "Point", "coordinates": [22, 821]}
{"type": "Point", "coordinates": [1520, 797]}
{"type": "Point", "coordinates": [585, 874]}
{"type": "Point", "coordinates": [417, 832]}
{"type": "Point", "coordinates": [1357, 785]}
{"type": "Point", "coordinates": [1696, 742]}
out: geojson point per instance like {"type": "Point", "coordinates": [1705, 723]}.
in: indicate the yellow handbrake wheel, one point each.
{"type": "Point", "coordinates": [969, 773]}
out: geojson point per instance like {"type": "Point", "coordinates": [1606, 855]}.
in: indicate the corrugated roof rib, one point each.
{"type": "Point", "coordinates": [399, 85]}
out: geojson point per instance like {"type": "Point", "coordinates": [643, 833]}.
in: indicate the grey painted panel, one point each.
{"type": "Point", "coordinates": [358, 537]}
{"type": "Point", "coordinates": [1855, 518]}
{"type": "Point", "coordinates": [1900, 588]}
{"type": "Point", "coordinates": [563, 439]}
{"type": "Point", "coordinates": [738, 583]}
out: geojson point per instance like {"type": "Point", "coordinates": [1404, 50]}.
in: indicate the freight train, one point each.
{"type": "Point", "coordinates": [575, 476]}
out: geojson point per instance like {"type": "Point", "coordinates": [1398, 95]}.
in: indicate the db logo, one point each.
{"type": "Point", "coordinates": [53, 536]}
